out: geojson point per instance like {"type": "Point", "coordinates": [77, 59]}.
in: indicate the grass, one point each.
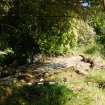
{"type": "Point", "coordinates": [91, 49]}
{"type": "Point", "coordinates": [86, 94]}
{"type": "Point", "coordinates": [40, 95]}
{"type": "Point", "coordinates": [97, 77]}
{"type": "Point", "coordinates": [77, 90]}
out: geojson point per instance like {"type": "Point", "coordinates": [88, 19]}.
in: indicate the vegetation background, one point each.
{"type": "Point", "coordinates": [52, 28]}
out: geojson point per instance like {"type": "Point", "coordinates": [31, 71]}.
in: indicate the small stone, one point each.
{"type": "Point", "coordinates": [41, 80]}
{"type": "Point", "coordinates": [30, 83]}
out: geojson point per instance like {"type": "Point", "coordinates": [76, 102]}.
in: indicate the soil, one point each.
{"type": "Point", "coordinates": [53, 65]}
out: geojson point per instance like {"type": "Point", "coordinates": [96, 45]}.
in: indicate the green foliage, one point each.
{"type": "Point", "coordinates": [86, 33]}
{"type": "Point", "coordinates": [97, 77]}
{"type": "Point", "coordinates": [58, 41]}
{"type": "Point", "coordinates": [30, 27]}
{"type": "Point", "coordinates": [99, 25]}
{"type": "Point", "coordinates": [6, 57]}
{"type": "Point", "coordinates": [40, 95]}
{"type": "Point", "coordinates": [91, 49]}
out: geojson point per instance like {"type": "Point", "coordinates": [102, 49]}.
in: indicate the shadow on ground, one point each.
{"type": "Point", "coordinates": [39, 95]}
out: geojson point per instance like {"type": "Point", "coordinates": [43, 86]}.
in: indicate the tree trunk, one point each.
{"type": "Point", "coordinates": [104, 4]}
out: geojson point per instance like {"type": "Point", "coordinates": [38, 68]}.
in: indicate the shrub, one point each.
{"type": "Point", "coordinates": [99, 25]}
{"type": "Point", "coordinates": [86, 33]}
{"type": "Point", "coordinates": [59, 40]}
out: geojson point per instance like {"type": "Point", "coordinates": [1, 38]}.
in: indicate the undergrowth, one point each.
{"type": "Point", "coordinates": [77, 90]}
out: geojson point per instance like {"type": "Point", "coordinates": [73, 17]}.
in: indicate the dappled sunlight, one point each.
{"type": "Point", "coordinates": [39, 95]}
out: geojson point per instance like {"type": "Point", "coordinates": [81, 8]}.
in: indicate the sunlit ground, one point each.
{"type": "Point", "coordinates": [69, 88]}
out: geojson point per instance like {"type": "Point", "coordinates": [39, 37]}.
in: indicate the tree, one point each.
{"type": "Point", "coordinates": [30, 26]}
